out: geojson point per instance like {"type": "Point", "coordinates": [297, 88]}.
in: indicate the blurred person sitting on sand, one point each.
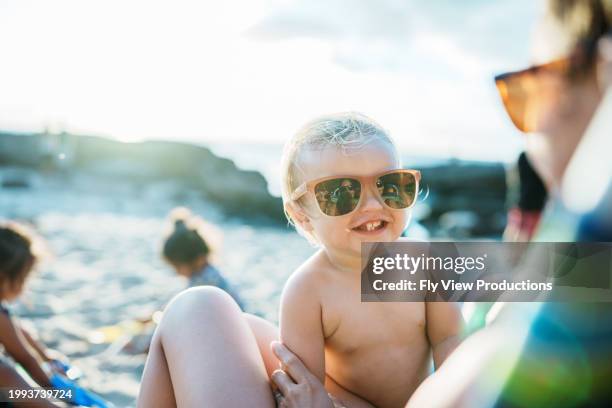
{"type": "Point", "coordinates": [189, 248]}
{"type": "Point", "coordinates": [18, 256]}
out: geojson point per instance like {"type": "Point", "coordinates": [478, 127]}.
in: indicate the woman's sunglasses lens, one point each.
{"type": "Point", "coordinates": [398, 190]}
{"type": "Point", "coordinates": [514, 96]}
{"type": "Point", "coordinates": [338, 196]}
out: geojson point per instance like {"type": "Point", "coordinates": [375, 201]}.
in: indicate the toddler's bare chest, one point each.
{"type": "Point", "coordinates": [352, 325]}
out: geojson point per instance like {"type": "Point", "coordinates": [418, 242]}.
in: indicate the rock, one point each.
{"type": "Point", "coordinates": [459, 223]}
{"type": "Point", "coordinates": [238, 192]}
{"type": "Point", "coordinates": [465, 198]}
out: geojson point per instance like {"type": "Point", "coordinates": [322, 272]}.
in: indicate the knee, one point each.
{"type": "Point", "coordinates": [199, 304]}
{"type": "Point", "coordinates": [201, 299]}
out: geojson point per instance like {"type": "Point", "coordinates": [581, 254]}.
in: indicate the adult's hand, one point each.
{"type": "Point", "coordinates": [298, 386]}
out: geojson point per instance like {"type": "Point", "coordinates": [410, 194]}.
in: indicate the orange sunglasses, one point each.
{"type": "Point", "coordinates": [529, 92]}
{"type": "Point", "coordinates": [340, 195]}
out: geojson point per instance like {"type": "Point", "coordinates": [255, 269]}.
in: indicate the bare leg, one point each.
{"type": "Point", "coordinates": [156, 387]}
{"type": "Point", "coordinates": [264, 332]}
{"type": "Point", "coordinates": [205, 354]}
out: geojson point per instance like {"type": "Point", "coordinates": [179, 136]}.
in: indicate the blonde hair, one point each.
{"type": "Point", "coordinates": [347, 131]}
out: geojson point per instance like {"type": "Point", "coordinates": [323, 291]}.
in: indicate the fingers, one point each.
{"type": "Point", "coordinates": [282, 381]}
{"type": "Point", "coordinates": [294, 366]}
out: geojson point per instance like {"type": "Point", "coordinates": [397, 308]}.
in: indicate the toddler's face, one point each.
{"type": "Point", "coordinates": [372, 220]}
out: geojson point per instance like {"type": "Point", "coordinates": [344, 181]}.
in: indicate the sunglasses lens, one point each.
{"type": "Point", "coordinates": [338, 196]}
{"type": "Point", "coordinates": [514, 96]}
{"type": "Point", "coordinates": [398, 190]}
{"type": "Point", "coordinates": [530, 95]}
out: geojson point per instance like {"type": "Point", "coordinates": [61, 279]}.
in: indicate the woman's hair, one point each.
{"type": "Point", "coordinates": [186, 241]}
{"type": "Point", "coordinates": [585, 22]}
{"type": "Point", "coordinates": [18, 253]}
{"type": "Point", "coordinates": [348, 131]}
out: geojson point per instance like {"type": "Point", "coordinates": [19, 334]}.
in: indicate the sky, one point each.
{"type": "Point", "coordinates": [253, 71]}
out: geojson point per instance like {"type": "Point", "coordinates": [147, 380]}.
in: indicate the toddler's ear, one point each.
{"type": "Point", "coordinates": [298, 216]}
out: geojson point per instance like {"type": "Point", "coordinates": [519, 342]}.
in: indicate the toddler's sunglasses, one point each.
{"type": "Point", "coordinates": [340, 195]}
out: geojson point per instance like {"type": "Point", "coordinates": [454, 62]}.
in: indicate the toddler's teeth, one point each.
{"type": "Point", "coordinates": [370, 226]}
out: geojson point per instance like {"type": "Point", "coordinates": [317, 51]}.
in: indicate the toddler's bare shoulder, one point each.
{"type": "Point", "coordinates": [310, 275]}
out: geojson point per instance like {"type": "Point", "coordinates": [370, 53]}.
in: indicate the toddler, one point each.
{"type": "Point", "coordinates": [343, 184]}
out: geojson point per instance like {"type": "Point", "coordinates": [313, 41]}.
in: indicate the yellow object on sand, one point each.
{"type": "Point", "coordinates": [110, 334]}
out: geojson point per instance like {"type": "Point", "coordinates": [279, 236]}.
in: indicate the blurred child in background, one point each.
{"type": "Point", "coordinates": [17, 260]}
{"type": "Point", "coordinates": [189, 251]}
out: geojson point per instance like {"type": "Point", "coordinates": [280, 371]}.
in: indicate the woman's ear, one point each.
{"type": "Point", "coordinates": [298, 216]}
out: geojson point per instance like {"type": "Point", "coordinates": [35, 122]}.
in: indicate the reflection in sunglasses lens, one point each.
{"type": "Point", "coordinates": [398, 190]}
{"type": "Point", "coordinates": [338, 196]}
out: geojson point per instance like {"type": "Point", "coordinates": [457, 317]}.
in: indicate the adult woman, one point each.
{"type": "Point", "coordinates": [551, 354]}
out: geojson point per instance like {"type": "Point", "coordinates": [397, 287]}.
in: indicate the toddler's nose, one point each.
{"type": "Point", "coordinates": [371, 200]}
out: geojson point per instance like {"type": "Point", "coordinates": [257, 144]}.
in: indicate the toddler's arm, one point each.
{"type": "Point", "coordinates": [444, 326]}
{"type": "Point", "coordinates": [17, 347]}
{"type": "Point", "coordinates": [301, 328]}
